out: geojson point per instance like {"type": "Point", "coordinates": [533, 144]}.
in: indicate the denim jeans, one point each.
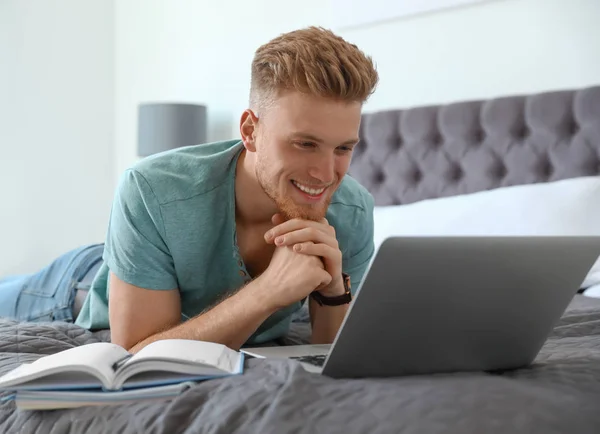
{"type": "Point", "coordinates": [48, 294]}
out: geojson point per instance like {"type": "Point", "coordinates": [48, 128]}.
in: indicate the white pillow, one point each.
{"type": "Point", "coordinates": [593, 291]}
{"type": "Point", "coordinates": [565, 207]}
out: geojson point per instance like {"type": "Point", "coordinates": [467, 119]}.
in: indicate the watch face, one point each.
{"type": "Point", "coordinates": [346, 281]}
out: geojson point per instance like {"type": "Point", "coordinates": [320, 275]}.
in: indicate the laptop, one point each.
{"type": "Point", "coordinates": [451, 304]}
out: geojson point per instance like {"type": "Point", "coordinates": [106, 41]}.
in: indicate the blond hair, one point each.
{"type": "Point", "coordinates": [314, 61]}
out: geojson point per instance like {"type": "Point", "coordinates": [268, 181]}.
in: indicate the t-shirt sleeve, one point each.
{"type": "Point", "coordinates": [136, 249]}
{"type": "Point", "coordinates": [360, 255]}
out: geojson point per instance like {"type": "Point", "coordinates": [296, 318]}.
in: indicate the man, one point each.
{"type": "Point", "coordinates": [224, 241]}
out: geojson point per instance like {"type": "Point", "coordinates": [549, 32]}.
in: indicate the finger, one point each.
{"type": "Point", "coordinates": [332, 257]}
{"type": "Point", "coordinates": [305, 246]}
{"type": "Point", "coordinates": [326, 279]}
{"type": "Point", "coordinates": [304, 235]}
{"type": "Point", "coordinates": [293, 225]}
{"type": "Point", "coordinates": [330, 229]}
{"type": "Point", "coordinates": [277, 219]}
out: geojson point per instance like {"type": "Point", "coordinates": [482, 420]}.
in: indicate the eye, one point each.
{"type": "Point", "coordinates": [345, 149]}
{"type": "Point", "coordinates": [306, 144]}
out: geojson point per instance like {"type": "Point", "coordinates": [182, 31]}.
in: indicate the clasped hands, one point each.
{"type": "Point", "coordinates": [312, 238]}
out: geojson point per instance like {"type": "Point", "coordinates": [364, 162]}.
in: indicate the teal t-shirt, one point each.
{"type": "Point", "coordinates": [172, 225]}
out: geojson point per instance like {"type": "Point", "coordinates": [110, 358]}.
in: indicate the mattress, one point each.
{"type": "Point", "coordinates": [558, 393]}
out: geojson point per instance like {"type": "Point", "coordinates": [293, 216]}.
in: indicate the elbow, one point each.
{"type": "Point", "coordinates": [124, 340]}
{"type": "Point", "coordinates": [134, 338]}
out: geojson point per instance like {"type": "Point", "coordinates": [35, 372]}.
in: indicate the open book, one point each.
{"type": "Point", "coordinates": [111, 368]}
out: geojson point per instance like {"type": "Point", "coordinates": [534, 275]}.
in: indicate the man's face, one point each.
{"type": "Point", "coordinates": [303, 149]}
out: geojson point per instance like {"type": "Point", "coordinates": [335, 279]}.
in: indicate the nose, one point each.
{"type": "Point", "coordinates": [322, 167]}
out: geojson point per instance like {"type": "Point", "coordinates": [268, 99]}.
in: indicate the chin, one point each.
{"type": "Point", "coordinates": [304, 214]}
{"type": "Point", "coordinates": [292, 210]}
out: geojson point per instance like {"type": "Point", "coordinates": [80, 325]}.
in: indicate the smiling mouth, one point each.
{"type": "Point", "coordinates": [314, 192]}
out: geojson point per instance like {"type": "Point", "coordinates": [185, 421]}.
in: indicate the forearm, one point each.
{"type": "Point", "coordinates": [325, 321]}
{"type": "Point", "coordinates": [230, 322]}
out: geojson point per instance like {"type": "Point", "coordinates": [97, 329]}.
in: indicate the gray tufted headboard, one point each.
{"type": "Point", "coordinates": [408, 155]}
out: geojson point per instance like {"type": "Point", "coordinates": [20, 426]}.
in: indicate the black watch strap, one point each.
{"type": "Point", "coordinates": [338, 300]}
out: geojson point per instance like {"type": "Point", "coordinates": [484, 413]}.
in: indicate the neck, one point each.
{"type": "Point", "coordinates": [253, 206]}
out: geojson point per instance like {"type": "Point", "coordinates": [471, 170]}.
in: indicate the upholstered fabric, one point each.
{"type": "Point", "coordinates": [426, 152]}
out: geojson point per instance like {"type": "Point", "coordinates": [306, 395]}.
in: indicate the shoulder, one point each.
{"type": "Point", "coordinates": [351, 214]}
{"type": "Point", "coordinates": [352, 194]}
{"type": "Point", "coordinates": [182, 173]}
{"type": "Point", "coordinates": [351, 204]}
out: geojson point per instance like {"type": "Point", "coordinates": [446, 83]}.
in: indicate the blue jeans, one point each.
{"type": "Point", "coordinates": [49, 294]}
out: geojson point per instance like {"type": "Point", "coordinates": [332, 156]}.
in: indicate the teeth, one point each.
{"type": "Point", "coordinates": [311, 191]}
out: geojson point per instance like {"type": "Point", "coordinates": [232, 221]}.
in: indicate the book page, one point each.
{"type": "Point", "coordinates": [189, 352]}
{"type": "Point", "coordinates": [96, 358]}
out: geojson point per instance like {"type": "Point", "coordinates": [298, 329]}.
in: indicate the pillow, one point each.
{"type": "Point", "coordinates": [564, 207]}
{"type": "Point", "coordinates": [593, 291]}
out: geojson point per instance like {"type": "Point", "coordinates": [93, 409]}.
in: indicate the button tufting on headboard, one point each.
{"type": "Point", "coordinates": [426, 152]}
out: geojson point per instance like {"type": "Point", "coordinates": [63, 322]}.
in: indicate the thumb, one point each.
{"type": "Point", "coordinates": [325, 278]}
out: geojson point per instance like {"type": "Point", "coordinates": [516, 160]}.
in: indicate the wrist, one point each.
{"type": "Point", "coordinates": [334, 289]}
{"type": "Point", "coordinates": [261, 296]}
{"type": "Point", "coordinates": [333, 295]}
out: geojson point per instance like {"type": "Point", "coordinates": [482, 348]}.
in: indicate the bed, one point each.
{"type": "Point", "coordinates": [407, 158]}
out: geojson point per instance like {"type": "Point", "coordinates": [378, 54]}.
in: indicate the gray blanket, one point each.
{"type": "Point", "coordinates": [560, 393]}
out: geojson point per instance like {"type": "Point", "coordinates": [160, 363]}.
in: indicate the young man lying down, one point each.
{"type": "Point", "coordinates": [224, 241]}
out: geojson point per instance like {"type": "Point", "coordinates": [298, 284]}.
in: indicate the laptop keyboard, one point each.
{"type": "Point", "coordinates": [313, 360]}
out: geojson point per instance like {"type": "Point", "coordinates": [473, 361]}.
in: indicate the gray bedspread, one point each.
{"type": "Point", "coordinates": [560, 393]}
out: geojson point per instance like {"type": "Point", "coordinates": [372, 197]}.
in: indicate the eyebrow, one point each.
{"type": "Point", "coordinates": [312, 138]}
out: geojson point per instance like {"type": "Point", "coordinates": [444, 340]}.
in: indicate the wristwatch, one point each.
{"type": "Point", "coordinates": [338, 300]}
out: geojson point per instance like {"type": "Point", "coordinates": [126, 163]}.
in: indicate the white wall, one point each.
{"type": "Point", "coordinates": [73, 72]}
{"type": "Point", "coordinates": [201, 52]}
{"type": "Point", "coordinates": [486, 50]}
{"type": "Point", "coordinates": [194, 51]}
{"type": "Point", "coordinates": [56, 128]}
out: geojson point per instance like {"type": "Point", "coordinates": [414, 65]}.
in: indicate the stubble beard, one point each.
{"type": "Point", "coordinates": [286, 205]}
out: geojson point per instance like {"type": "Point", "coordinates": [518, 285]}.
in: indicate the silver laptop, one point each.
{"type": "Point", "coordinates": [450, 304]}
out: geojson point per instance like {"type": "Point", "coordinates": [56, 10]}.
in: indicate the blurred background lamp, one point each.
{"type": "Point", "coordinates": [165, 126]}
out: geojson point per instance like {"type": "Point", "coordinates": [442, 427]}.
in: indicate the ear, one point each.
{"type": "Point", "coordinates": [248, 126]}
